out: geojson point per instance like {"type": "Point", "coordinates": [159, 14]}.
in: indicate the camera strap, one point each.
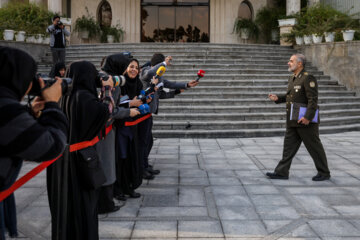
{"type": "Point", "coordinates": [137, 121]}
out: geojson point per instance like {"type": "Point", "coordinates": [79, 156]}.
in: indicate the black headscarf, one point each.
{"type": "Point", "coordinates": [58, 66]}
{"type": "Point", "coordinates": [133, 86]}
{"type": "Point", "coordinates": [17, 70]}
{"type": "Point", "coordinates": [116, 64]}
{"type": "Point", "coordinates": [87, 115]}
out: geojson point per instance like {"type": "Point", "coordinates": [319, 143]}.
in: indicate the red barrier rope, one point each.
{"type": "Point", "coordinates": [35, 171]}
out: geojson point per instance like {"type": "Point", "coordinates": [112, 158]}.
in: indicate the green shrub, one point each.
{"type": "Point", "coordinates": [28, 17]}
{"type": "Point", "coordinates": [246, 23]}
{"type": "Point", "coordinates": [116, 31]}
{"type": "Point", "coordinates": [267, 20]}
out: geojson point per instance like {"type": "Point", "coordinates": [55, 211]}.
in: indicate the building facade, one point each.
{"type": "Point", "coordinates": [174, 20]}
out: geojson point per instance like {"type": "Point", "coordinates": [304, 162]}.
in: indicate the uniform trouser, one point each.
{"type": "Point", "coordinates": [145, 140]}
{"type": "Point", "coordinates": [310, 137]}
{"type": "Point", "coordinates": [58, 55]}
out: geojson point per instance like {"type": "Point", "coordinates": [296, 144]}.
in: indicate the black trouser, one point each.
{"type": "Point", "coordinates": [58, 55]}
{"type": "Point", "coordinates": [310, 137]}
{"type": "Point", "coordinates": [145, 140]}
{"type": "Point", "coordinates": [106, 201]}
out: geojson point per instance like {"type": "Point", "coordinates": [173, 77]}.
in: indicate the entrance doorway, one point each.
{"type": "Point", "coordinates": [175, 21]}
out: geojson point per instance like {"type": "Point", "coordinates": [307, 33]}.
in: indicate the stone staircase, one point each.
{"type": "Point", "coordinates": [231, 100]}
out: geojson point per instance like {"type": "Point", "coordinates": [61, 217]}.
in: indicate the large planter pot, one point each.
{"type": "Point", "coordinates": [245, 33]}
{"type": "Point", "coordinates": [299, 40]}
{"type": "Point", "coordinates": [110, 38]}
{"type": "Point", "coordinates": [307, 39]}
{"type": "Point", "coordinates": [329, 36]}
{"type": "Point", "coordinates": [20, 36]}
{"type": "Point", "coordinates": [8, 35]}
{"type": "Point", "coordinates": [317, 38]}
{"type": "Point", "coordinates": [84, 34]}
{"type": "Point", "coordinates": [46, 40]}
{"type": "Point", "coordinates": [30, 39]}
{"type": "Point", "coordinates": [348, 35]}
{"type": "Point", "coordinates": [287, 22]}
{"type": "Point", "coordinates": [39, 38]}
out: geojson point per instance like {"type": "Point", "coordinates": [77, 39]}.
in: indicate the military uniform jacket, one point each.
{"type": "Point", "coordinates": [301, 89]}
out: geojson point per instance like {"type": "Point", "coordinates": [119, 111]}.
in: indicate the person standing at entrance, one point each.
{"type": "Point", "coordinates": [302, 88]}
{"type": "Point", "coordinates": [57, 40]}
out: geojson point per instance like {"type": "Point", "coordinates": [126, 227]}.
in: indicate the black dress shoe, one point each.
{"type": "Point", "coordinates": [120, 197]}
{"type": "Point", "coordinates": [319, 177]}
{"type": "Point", "coordinates": [134, 194]}
{"type": "Point", "coordinates": [113, 209]}
{"type": "Point", "coordinates": [153, 171]}
{"type": "Point", "coordinates": [147, 175]}
{"type": "Point", "coordinates": [274, 175]}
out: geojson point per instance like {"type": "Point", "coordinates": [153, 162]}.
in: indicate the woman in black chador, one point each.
{"type": "Point", "coordinates": [73, 202]}
{"type": "Point", "coordinates": [128, 164]}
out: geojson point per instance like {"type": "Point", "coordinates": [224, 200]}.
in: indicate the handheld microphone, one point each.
{"type": "Point", "coordinates": [161, 70]}
{"type": "Point", "coordinates": [200, 74]}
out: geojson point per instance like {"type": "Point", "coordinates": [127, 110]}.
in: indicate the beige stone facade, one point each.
{"type": "Point", "coordinates": [127, 13]}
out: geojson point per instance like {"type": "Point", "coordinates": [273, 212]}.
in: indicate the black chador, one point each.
{"type": "Point", "coordinates": [128, 165]}
{"type": "Point", "coordinates": [73, 205]}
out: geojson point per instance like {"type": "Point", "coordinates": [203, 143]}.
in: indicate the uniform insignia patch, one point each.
{"type": "Point", "coordinates": [305, 73]}
{"type": "Point", "coordinates": [312, 84]}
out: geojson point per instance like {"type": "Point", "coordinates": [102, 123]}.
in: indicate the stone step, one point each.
{"type": "Point", "coordinates": [245, 133]}
{"type": "Point", "coordinates": [211, 71]}
{"type": "Point", "coordinates": [196, 125]}
{"type": "Point", "coordinates": [231, 95]}
{"type": "Point", "coordinates": [257, 82]}
{"type": "Point", "coordinates": [278, 88]}
{"type": "Point", "coordinates": [249, 109]}
{"type": "Point", "coordinates": [245, 101]}
{"type": "Point", "coordinates": [225, 77]}
{"type": "Point", "coordinates": [165, 46]}
{"type": "Point", "coordinates": [245, 116]}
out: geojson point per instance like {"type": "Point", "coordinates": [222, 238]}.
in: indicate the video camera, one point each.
{"type": "Point", "coordinates": [118, 80]}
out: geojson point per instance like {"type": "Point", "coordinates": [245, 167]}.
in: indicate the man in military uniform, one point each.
{"type": "Point", "coordinates": [303, 89]}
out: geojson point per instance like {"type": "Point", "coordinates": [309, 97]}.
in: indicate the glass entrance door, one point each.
{"type": "Point", "coordinates": [175, 21]}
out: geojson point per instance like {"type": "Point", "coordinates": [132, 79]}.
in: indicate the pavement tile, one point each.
{"type": "Point", "coordinates": [224, 181]}
{"type": "Point", "coordinates": [272, 200]}
{"type": "Point", "coordinates": [237, 213]}
{"type": "Point", "coordinates": [191, 197]}
{"type": "Point", "coordinates": [304, 231]}
{"type": "Point", "coordinates": [232, 200]}
{"type": "Point", "coordinates": [244, 229]}
{"type": "Point", "coordinates": [203, 229]}
{"type": "Point", "coordinates": [155, 229]}
{"type": "Point", "coordinates": [173, 212]}
{"type": "Point", "coordinates": [274, 225]}
{"type": "Point", "coordinates": [261, 189]}
{"type": "Point", "coordinates": [228, 190]}
{"type": "Point", "coordinates": [334, 228]}
{"type": "Point", "coordinates": [115, 229]}
{"type": "Point", "coordinates": [277, 212]}
{"type": "Point", "coordinates": [197, 181]}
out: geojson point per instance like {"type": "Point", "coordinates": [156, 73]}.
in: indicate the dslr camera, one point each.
{"type": "Point", "coordinates": [66, 84]}
{"type": "Point", "coordinates": [118, 80]}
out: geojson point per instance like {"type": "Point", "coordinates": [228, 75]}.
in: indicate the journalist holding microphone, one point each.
{"type": "Point", "coordinates": [36, 133]}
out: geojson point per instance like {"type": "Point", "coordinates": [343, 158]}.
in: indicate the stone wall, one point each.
{"type": "Point", "coordinates": [37, 51]}
{"type": "Point", "coordinates": [340, 60]}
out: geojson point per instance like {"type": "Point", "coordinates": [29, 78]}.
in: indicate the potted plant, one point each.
{"type": "Point", "coordinates": [246, 28]}
{"type": "Point", "coordinates": [87, 26]}
{"type": "Point", "coordinates": [267, 20]}
{"type": "Point", "coordinates": [112, 34]}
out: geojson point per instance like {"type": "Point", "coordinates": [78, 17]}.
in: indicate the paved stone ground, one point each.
{"type": "Point", "coordinates": [216, 189]}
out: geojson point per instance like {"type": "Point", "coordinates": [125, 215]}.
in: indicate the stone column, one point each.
{"type": "Point", "coordinates": [54, 5]}
{"type": "Point", "coordinates": [292, 6]}
{"type": "Point", "coordinates": [3, 2]}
